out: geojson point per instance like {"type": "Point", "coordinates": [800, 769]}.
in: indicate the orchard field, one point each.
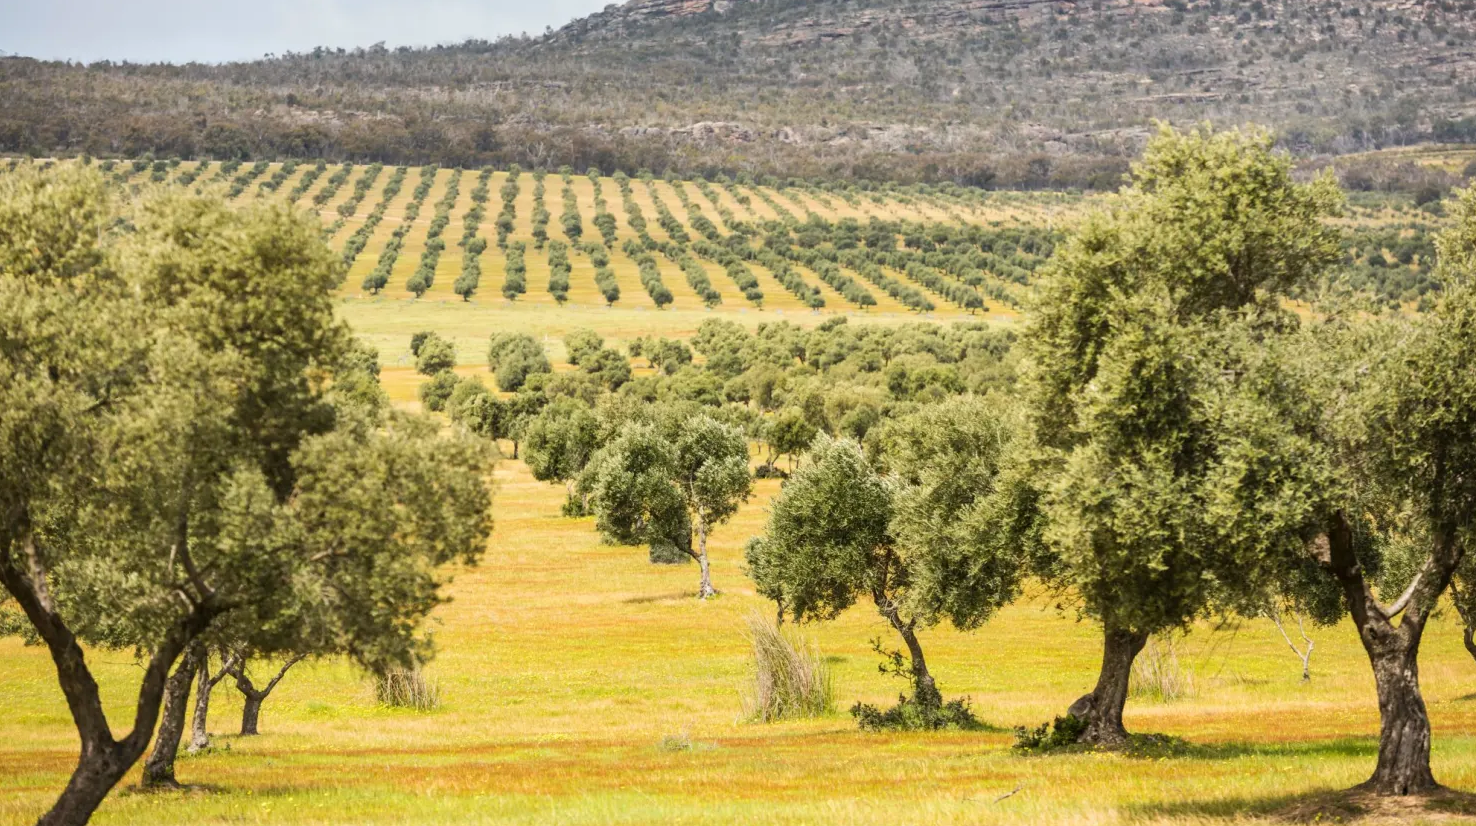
{"type": "Point", "coordinates": [581, 684]}
{"type": "Point", "coordinates": [972, 252]}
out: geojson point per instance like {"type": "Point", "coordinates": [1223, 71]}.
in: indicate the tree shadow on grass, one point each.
{"type": "Point", "coordinates": [1344, 806]}
{"type": "Point", "coordinates": [646, 599]}
{"type": "Point", "coordinates": [176, 789]}
{"type": "Point", "coordinates": [1163, 746]}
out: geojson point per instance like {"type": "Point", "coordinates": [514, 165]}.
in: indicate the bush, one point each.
{"type": "Point", "coordinates": [407, 688]}
{"type": "Point", "coordinates": [910, 715]}
{"type": "Point", "coordinates": [790, 680]}
{"type": "Point", "coordinates": [1063, 732]}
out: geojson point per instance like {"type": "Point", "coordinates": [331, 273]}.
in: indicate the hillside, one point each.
{"type": "Point", "coordinates": [1018, 93]}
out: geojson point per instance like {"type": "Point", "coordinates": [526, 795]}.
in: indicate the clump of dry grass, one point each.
{"type": "Point", "coordinates": [407, 688]}
{"type": "Point", "coordinates": [1158, 675]}
{"type": "Point", "coordinates": [791, 679]}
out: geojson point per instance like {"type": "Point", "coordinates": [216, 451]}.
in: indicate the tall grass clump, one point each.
{"type": "Point", "coordinates": [1158, 675]}
{"type": "Point", "coordinates": [407, 688]}
{"type": "Point", "coordinates": [791, 679]}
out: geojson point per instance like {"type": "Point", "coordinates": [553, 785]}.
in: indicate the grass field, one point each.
{"type": "Point", "coordinates": [583, 685]}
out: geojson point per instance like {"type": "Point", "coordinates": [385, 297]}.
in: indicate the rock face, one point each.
{"type": "Point", "coordinates": [616, 19]}
{"type": "Point", "coordinates": [933, 19]}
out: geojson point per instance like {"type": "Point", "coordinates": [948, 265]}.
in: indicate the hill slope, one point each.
{"type": "Point", "coordinates": [1015, 92]}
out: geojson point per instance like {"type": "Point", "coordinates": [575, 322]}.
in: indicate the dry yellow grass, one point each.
{"type": "Point", "coordinates": [565, 664]}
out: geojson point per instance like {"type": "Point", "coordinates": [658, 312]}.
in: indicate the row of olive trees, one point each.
{"type": "Point", "coordinates": [194, 453]}
{"type": "Point", "coordinates": [1182, 445]}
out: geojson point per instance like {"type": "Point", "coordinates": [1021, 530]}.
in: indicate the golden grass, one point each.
{"type": "Point", "coordinates": [565, 663]}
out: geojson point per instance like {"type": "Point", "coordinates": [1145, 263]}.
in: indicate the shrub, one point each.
{"type": "Point", "coordinates": [1157, 674]}
{"type": "Point", "coordinates": [911, 715]}
{"type": "Point", "coordinates": [1063, 732]}
{"type": "Point", "coordinates": [407, 688]}
{"type": "Point", "coordinates": [790, 680]}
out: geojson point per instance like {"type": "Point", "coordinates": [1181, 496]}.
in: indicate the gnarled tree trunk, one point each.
{"type": "Point", "coordinates": [251, 714]}
{"type": "Point", "coordinates": [1101, 710]}
{"type": "Point", "coordinates": [158, 769]}
{"type": "Point", "coordinates": [1393, 652]}
{"type": "Point", "coordinates": [1404, 725]}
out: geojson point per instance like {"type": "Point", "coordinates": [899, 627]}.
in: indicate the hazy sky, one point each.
{"type": "Point", "coordinates": [215, 30]}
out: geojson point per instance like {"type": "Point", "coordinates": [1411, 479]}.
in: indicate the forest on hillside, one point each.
{"type": "Point", "coordinates": [990, 94]}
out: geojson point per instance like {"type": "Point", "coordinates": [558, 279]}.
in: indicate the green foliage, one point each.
{"type": "Point", "coordinates": [658, 482]}
{"type": "Point", "coordinates": [631, 489]}
{"type": "Point", "coordinates": [558, 442]}
{"type": "Point", "coordinates": [827, 540]}
{"type": "Point", "coordinates": [581, 344]}
{"type": "Point", "coordinates": [668, 355]}
{"type": "Point", "coordinates": [1063, 732]}
{"type": "Point", "coordinates": [435, 393]}
{"type": "Point", "coordinates": [1142, 315]}
{"type": "Point", "coordinates": [958, 488]}
{"type": "Point", "coordinates": [911, 715]}
{"type": "Point", "coordinates": [433, 355]}
{"type": "Point", "coordinates": [514, 357]}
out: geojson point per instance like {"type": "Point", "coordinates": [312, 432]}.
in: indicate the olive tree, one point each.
{"type": "Point", "coordinates": [171, 456]}
{"type": "Point", "coordinates": [666, 482]}
{"type": "Point", "coordinates": [434, 355]}
{"type": "Point", "coordinates": [924, 531]}
{"type": "Point", "coordinates": [557, 444]}
{"type": "Point", "coordinates": [1397, 404]}
{"type": "Point", "coordinates": [513, 357]}
{"type": "Point", "coordinates": [1129, 388]}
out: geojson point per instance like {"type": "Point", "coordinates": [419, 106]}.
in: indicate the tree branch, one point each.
{"type": "Point", "coordinates": [76, 679]}
{"type": "Point", "coordinates": [1403, 601]}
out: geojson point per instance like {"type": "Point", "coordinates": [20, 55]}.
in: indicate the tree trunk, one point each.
{"type": "Point", "coordinates": [924, 688]}
{"type": "Point", "coordinates": [1102, 709]}
{"type": "Point", "coordinates": [254, 697]}
{"type": "Point", "coordinates": [98, 771]}
{"type": "Point", "coordinates": [1404, 730]}
{"type": "Point", "coordinates": [1469, 635]}
{"type": "Point", "coordinates": [704, 589]}
{"type": "Point", "coordinates": [200, 734]}
{"type": "Point", "coordinates": [250, 714]}
{"type": "Point", "coordinates": [158, 770]}
{"type": "Point", "coordinates": [1393, 652]}
{"type": "Point", "coordinates": [103, 760]}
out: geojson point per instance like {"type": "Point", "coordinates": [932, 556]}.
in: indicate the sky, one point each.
{"type": "Point", "coordinates": [216, 31]}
